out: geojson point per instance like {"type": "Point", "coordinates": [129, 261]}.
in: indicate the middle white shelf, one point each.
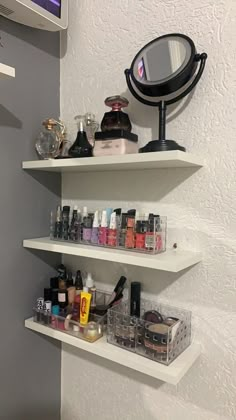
{"type": "Point", "coordinates": [171, 260]}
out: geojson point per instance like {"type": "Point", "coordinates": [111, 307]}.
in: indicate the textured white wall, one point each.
{"type": "Point", "coordinates": [102, 39]}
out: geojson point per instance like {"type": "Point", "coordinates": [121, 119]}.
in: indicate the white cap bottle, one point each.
{"type": "Point", "coordinates": [89, 281]}
{"type": "Point", "coordinates": [104, 219]}
{"type": "Point", "coordinates": [95, 220]}
{"type": "Point", "coordinates": [113, 221]}
{"type": "Point", "coordinates": [85, 211]}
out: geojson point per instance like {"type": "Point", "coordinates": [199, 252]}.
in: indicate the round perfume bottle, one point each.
{"type": "Point", "coordinates": [116, 119]}
{"type": "Point", "coordinates": [49, 140]}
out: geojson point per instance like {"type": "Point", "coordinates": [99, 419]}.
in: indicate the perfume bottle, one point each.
{"type": "Point", "coordinates": [116, 119]}
{"type": "Point", "coordinates": [81, 147]}
{"type": "Point", "coordinates": [50, 138]}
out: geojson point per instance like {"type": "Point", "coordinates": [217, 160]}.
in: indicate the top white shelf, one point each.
{"type": "Point", "coordinates": [6, 71]}
{"type": "Point", "coordinates": [154, 160]}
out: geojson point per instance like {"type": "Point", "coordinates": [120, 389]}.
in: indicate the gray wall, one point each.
{"type": "Point", "coordinates": [29, 363]}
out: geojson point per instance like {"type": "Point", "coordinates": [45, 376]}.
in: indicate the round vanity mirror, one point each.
{"type": "Point", "coordinates": [162, 68]}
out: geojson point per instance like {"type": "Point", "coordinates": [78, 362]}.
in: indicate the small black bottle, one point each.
{"type": "Point", "coordinates": [81, 147]}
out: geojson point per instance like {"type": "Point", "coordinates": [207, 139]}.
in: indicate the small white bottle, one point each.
{"type": "Point", "coordinates": [89, 282]}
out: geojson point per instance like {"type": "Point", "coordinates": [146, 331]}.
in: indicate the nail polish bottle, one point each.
{"type": "Point", "coordinates": [112, 231]}
{"type": "Point", "coordinates": [87, 228]}
{"type": "Point", "coordinates": [58, 224]}
{"type": "Point", "coordinates": [102, 231]}
{"type": "Point", "coordinates": [94, 234]}
{"type": "Point", "coordinates": [84, 215]}
{"type": "Point", "coordinates": [65, 222]}
{"type": "Point", "coordinates": [153, 240]}
{"type": "Point", "coordinates": [130, 233]}
{"type": "Point", "coordinates": [141, 229]}
{"type": "Point", "coordinates": [123, 229]}
{"type": "Point", "coordinates": [74, 226]}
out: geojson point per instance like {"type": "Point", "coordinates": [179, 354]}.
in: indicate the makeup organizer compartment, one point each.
{"type": "Point", "coordinates": [161, 333]}
{"type": "Point", "coordinates": [145, 234]}
{"type": "Point", "coordinates": [91, 331]}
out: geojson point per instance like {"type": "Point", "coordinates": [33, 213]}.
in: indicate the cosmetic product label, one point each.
{"type": "Point", "coordinates": [47, 306]}
{"type": "Point", "coordinates": [150, 240]}
{"type": "Point", "coordinates": [153, 241]}
{"type": "Point", "coordinates": [62, 297]}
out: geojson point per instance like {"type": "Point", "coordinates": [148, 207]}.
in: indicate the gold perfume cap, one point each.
{"type": "Point", "coordinates": [49, 123]}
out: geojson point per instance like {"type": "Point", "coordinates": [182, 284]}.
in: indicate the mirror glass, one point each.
{"type": "Point", "coordinates": [162, 59]}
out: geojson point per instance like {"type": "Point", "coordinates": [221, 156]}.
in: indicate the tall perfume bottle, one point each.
{"type": "Point", "coordinates": [81, 147]}
{"type": "Point", "coordinates": [116, 119]}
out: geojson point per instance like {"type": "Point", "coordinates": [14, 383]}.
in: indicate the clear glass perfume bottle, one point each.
{"type": "Point", "coordinates": [49, 140]}
{"type": "Point", "coordinates": [90, 125]}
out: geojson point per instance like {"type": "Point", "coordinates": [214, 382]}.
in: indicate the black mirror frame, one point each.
{"type": "Point", "coordinates": [174, 83]}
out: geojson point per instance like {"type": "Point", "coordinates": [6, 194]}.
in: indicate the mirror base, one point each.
{"type": "Point", "coordinates": [161, 146]}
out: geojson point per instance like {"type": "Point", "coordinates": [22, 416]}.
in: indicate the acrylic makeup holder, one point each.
{"type": "Point", "coordinates": [137, 236]}
{"type": "Point", "coordinates": [162, 341]}
{"type": "Point", "coordinates": [91, 332]}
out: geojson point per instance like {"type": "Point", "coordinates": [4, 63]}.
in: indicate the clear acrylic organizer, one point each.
{"type": "Point", "coordinates": [138, 235]}
{"type": "Point", "coordinates": [161, 342]}
{"type": "Point", "coordinates": [91, 332]}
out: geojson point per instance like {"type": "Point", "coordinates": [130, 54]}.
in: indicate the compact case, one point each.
{"type": "Point", "coordinates": [115, 142]}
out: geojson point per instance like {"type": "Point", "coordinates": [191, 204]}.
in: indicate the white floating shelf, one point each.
{"type": "Point", "coordinates": [171, 374]}
{"type": "Point", "coordinates": [154, 160]}
{"type": "Point", "coordinates": [6, 71]}
{"type": "Point", "coordinates": [173, 261]}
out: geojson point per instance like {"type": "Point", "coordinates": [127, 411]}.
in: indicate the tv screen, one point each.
{"type": "Point", "coordinates": [52, 6]}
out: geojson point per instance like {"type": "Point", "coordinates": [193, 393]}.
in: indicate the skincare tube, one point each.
{"type": "Point", "coordinates": [84, 307]}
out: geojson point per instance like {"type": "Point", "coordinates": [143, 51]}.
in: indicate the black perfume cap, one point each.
{"type": "Point", "coordinates": [117, 211]}
{"type": "Point", "coordinates": [54, 283]}
{"type": "Point", "coordinates": [47, 293]}
{"type": "Point", "coordinates": [66, 209]}
{"type": "Point", "coordinates": [70, 281]}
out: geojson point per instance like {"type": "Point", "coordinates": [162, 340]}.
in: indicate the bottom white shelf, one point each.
{"type": "Point", "coordinates": [171, 374]}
